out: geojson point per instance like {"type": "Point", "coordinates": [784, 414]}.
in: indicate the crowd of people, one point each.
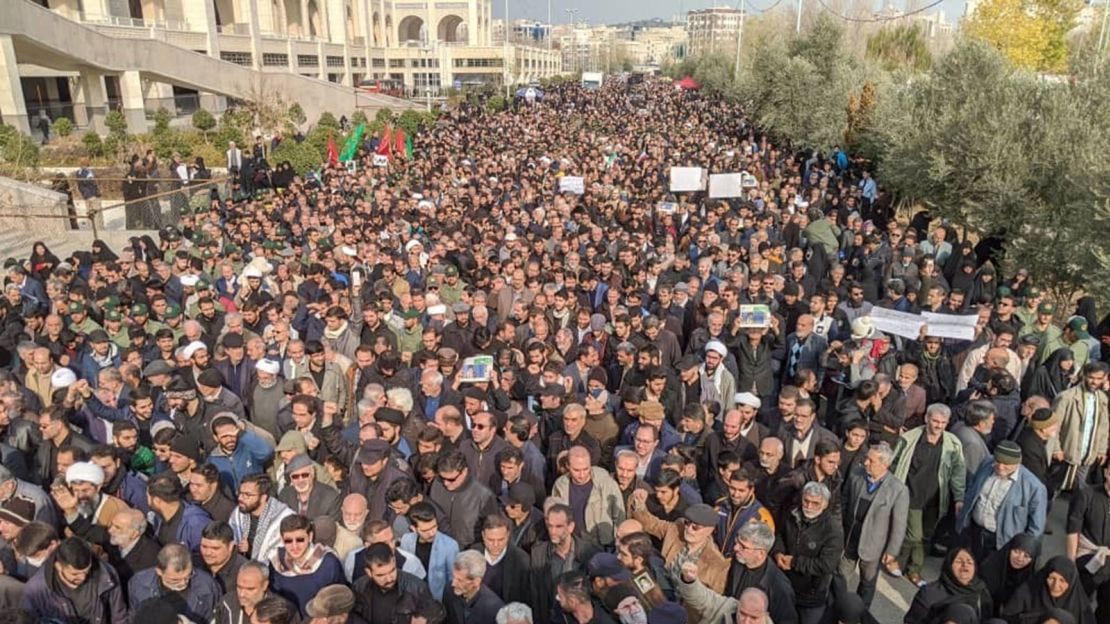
{"type": "Point", "coordinates": [443, 391]}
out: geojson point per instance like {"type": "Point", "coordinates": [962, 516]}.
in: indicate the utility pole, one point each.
{"type": "Point", "coordinates": [550, 26]}
{"type": "Point", "coordinates": [1103, 35]}
{"type": "Point", "coordinates": [739, 40]}
{"type": "Point", "coordinates": [505, 63]}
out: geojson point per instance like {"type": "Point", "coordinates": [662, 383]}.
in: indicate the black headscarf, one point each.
{"type": "Point", "coordinates": [1049, 379]}
{"type": "Point", "coordinates": [975, 594]}
{"type": "Point", "coordinates": [1031, 604]}
{"type": "Point", "coordinates": [105, 254]}
{"type": "Point", "coordinates": [959, 613]}
{"type": "Point", "coordinates": [1001, 578]}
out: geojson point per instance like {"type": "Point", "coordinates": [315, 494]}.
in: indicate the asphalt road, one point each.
{"type": "Point", "coordinates": [896, 594]}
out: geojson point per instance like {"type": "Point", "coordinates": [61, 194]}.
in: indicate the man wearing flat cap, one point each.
{"type": "Point", "coordinates": [687, 540]}
{"type": "Point", "coordinates": [304, 495]}
{"type": "Point", "coordinates": [372, 474]}
{"type": "Point", "coordinates": [333, 605]}
{"type": "Point", "coordinates": [1003, 499]}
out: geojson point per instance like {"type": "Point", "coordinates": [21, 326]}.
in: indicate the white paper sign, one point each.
{"type": "Point", "coordinates": [381, 160]}
{"type": "Point", "coordinates": [687, 179]}
{"type": "Point", "coordinates": [897, 323]}
{"type": "Point", "coordinates": [726, 185]}
{"type": "Point", "coordinates": [572, 184]}
{"type": "Point", "coordinates": [951, 326]}
{"type": "Point", "coordinates": [939, 325]}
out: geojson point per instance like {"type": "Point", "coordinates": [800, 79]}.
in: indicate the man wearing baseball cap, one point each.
{"type": "Point", "coordinates": [1003, 499]}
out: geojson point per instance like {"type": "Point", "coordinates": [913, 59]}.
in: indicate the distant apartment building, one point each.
{"type": "Point", "coordinates": [712, 31]}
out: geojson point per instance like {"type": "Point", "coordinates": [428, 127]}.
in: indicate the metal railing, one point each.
{"type": "Point", "coordinates": [162, 200]}
{"type": "Point", "coordinates": [135, 22]}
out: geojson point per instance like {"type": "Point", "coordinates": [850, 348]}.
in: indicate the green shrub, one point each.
{"type": "Point", "coordinates": [228, 133]}
{"type": "Point", "coordinates": [296, 114]}
{"type": "Point", "coordinates": [93, 144]}
{"type": "Point", "coordinates": [303, 156]}
{"type": "Point", "coordinates": [384, 115]}
{"type": "Point", "coordinates": [496, 103]}
{"type": "Point", "coordinates": [63, 126]}
{"type": "Point", "coordinates": [167, 142]}
{"type": "Point", "coordinates": [357, 118]}
{"type": "Point", "coordinates": [410, 121]}
{"type": "Point", "coordinates": [161, 121]}
{"type": "Point", "coordinates": [203, 121]}
{"type": "Point", "coordinates": [116, 123]}
{"type": "Point", "coordinates": [327, 120]}
{"type": "Point", "coordinates": [18, 148]}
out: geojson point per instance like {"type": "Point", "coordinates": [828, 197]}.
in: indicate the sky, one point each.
{"type": "Point", "coordinates": [616, 11]}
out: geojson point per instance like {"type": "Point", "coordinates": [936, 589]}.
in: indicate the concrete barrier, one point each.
{"type": "Point", "coordinates": [32, 209]}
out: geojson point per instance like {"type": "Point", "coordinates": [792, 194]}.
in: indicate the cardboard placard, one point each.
{"type": "Point", "coordinates": [755, 316]}
{"type": "Point", "coordinates": [476, 368]}
{"type": "Point", "coordinates": [687, 179]}
{"type": "Point", "coordinates": [723, 185]}
{"type": "Point", "coordinates": [572, 184]}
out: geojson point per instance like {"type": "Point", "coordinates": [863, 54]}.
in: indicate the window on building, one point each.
{"type": "Point", "coordinates": [270, 59]}
{"type": "Point", "coordinates": [308, 60]}
{"type": "Point", "coordinates": [334, 61]}
{"type": "Point", "coordinates": [239, 58]}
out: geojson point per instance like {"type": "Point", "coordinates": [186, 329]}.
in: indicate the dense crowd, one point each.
{"type": "Point", "coordinates": [443, 391]}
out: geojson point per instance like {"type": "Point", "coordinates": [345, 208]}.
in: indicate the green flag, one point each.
{"type": "Point", "coordinates": [408, 147]}
{"type": "Point", "coordinates": [350, 148]}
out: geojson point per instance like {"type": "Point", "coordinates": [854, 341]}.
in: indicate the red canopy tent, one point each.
{"type": "Point", "coordinates": [687, 84]}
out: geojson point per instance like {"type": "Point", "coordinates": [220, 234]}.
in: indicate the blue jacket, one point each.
{"type": "Point", "coordinates": [250, 457]}
{"type": "Point", "coordinates": [193, 521]}
{"type": "Point", "coordinates": [88, 369]}
{"type": "Point", "coordinates": [201, 598]}
{"type": "Point", "coordinates": [1023, 510]}
{"type": "Point", "coordinates": [440, 562]}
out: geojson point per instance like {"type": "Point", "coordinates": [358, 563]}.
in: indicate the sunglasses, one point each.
{"type": "Point", "coordinates": [294, 540]}
{"type": "Point", "coordinates": [299, 476]}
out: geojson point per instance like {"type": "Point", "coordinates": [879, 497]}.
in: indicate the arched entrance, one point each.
{"type": "Point", "coordinates": [411, 29]}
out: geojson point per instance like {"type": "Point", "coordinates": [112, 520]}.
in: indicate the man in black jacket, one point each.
{"type": "Point", "coordinates": [131, 549]}
{"type": "Point", "coordinates": [386, 594]}
{"type": "Point", "coordinates": [752, 568]}
{"type": "Point", "coordinates": [570, 552]}
{"type": "Point", "coordinates": [469, 601]}
{"type": "Point", "coordinates": [506, 564]}
{"type": "Point", "coordinates": [808, 547]}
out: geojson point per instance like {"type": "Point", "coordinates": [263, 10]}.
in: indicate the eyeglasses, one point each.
{"type": "Point", "coordinates": [480, 426]}
{"type": "Point", "coordinates": [294, 540]}
{"type": "Point", "coordinates": [300, 475]}
{"type": "Point", "coordinates": [453, 479]}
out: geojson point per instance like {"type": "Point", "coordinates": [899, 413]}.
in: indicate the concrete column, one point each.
{"type": "Point", "coordinates": [347, 79]}
{"type": "Point", "coordinates": [12, 105]}
{"type": "Point", "coordinates": [306, 28]}
{"type": "Point", "coordinates": [292, 55]}
{"type": "Point", "coordinates": [131, 92]}
{"type": "Point", "coordinates": [97, 10]}
{"type": "Point", "coordinates": [321, 61]}
{"type": "Point", "coordinates": [256, 34]}
{"type": "Point", "coordinates": [472, 23]}
{"type": "Point", "coordinates": [201, 17]}
{"type": "Point", "coordinates": [91, 87]}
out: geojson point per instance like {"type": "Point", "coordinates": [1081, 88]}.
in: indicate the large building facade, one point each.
{"type": "Point", "coordinates": [421, 47]}
{"type": "Point", "coordinates": [713, 31]}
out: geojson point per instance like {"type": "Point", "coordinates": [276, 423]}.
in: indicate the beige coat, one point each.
{"type": "Point", "coordinates": [1069, 408]}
